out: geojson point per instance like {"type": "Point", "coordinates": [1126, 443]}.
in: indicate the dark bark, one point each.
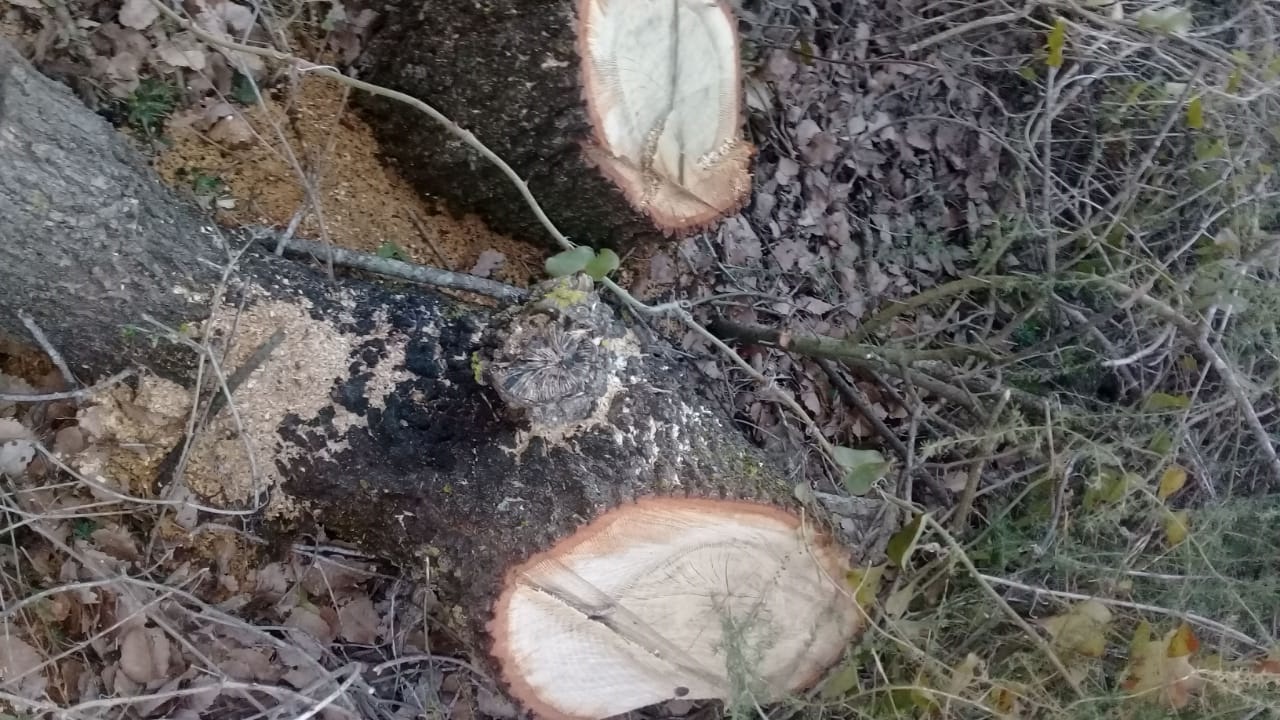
{"type": "Point", "coordinates": [508, 71]}
{"type": "Point", "coordinates": [407, 454]}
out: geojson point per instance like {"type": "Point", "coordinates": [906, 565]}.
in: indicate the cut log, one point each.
{"type": "Point", "coordinates": [624, 117]}
{"type": "Point", "coordinates": [604, 536]}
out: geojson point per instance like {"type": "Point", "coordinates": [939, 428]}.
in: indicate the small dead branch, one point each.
{"type": "Point", "coordinates": [390, 267]}
{"type": "Point", "coordinates": [49, 349]}
{"type": "Point", "coordinates": [67, 394]}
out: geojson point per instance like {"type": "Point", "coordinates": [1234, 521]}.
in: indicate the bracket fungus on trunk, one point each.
{"type": "Point", "coordinates": [623, 116]}
{"type": "Point", "coordinates": [671, 598]}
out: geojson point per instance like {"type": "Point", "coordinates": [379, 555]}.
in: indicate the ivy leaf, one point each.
{"type": "Point", "coordinates": [1057, 39]}
{"type": "Point", "coordinates": [604, 262]}
{"type": "Point", "coordinates": [903, 542]}
{"type": "Point", "coordinates": [1171, 481]}
{"type": "Point", "coordinates": [569, 261]}
{"type": "Point", "coordinates": [862, 468]}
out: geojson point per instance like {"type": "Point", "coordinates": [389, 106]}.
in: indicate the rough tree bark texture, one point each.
{"type": "Point", "coordinates": [369, 412]}
{"type": "Point", "coordinates": [511, 72]}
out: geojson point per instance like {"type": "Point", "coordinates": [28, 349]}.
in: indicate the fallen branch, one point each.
{"type": "Point", "coordinates": [391, 267]}
{"type": "Point", "coordinates": [66, 394]}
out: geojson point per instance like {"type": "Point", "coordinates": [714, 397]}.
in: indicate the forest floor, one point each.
{"type": "Point", "coordinates": [1057, 232]}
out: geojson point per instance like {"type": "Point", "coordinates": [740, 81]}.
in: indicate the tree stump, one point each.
{"type": "Point", "coordinates": [604, 535]}
{"type": "Point", "coordinates": [623, 117]}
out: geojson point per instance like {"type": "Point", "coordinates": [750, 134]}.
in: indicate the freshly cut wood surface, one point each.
{"type": "Point", "coordinates": [624, 117]}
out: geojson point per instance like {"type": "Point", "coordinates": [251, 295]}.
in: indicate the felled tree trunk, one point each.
{"type": "Point", "coordinates": [606, 535]}
{"type": "Point", "coordinates": [624, 117]}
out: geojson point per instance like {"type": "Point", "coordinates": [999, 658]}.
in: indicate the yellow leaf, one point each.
{"type": "Point", "coordinates": [963, 675]}
{"type": "Point", "coordinates": [1057, 39]}
{"type": "Point", "coordinates": [1182, 642]}
{"type": "Point", "coordinates": [865, 584]}
{"type": "Point", "coordinates": [1175, 527]}
{"type": "Point", "coordinates": [1082, 629]}
{"type": "Point", "coordinates": [1195, 114]}
{"type": "Point", "coordinates": [1171, 481]}
{"type": "Point", "coordinates": [1160, 671]}
{"type": "Point", "coordinates": [1003, 701]}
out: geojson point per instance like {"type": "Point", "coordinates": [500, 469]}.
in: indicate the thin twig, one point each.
{"type": "Point", "coordinates": [1035, 637]}
{"type": "Point", "coordinates": [970, 26]}
{"type": "Point", "coordinates": [391, 267]}
{"type": "Point", "coordinates": [58, 361]}
{"type": "Point", "coordinates": [1189, 617]}
{"type": "Point", "coordinates": [985, 449]}
{"type": "Point", "coordinates": [67, 394]}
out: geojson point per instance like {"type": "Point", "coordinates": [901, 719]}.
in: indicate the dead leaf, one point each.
{"type": "Point", "coordinates": [171, 54]}
{"type": "Point", "coordinates": [138, 14]}
{"type": "Point", "coordinates": [116, 541]}
{"type": "Point", "coordinates": [488, 262]}
{"type": "Point", "coordinates": [15, 455]}
{"type": "Point", "coordinates": [144, 655]}
{"type": "Point", "coordinates": [1160, 671]}
{"type": "Point", "coordinates": [11, 429]}
{"type": "Point", "coordinates": [1082, 629]}
{"type": "Point", "coordinates": [310, 621]}
{"type": "Point", "coordinates": [329, 577]}
{"type": "Point", "coordinates": [233, 132]}
{"type": "Point", "coordinates": [358, 621]}
{"type": "Point", "coordinates": [20, 666]}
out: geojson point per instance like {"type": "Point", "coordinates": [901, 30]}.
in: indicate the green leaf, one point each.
{"type": "Point", "coordinates": [569, 261]}
{"type": "Point", "coordinates": [1161, 442]}
{"type": "Point", "coordinates": [1057, 39]}
{"type": "Point", "coordinates": [1195, 114]}
{"type": "Point", "coordinates": [83, 528]}
{"type": "Point", "coordinates": [604, 262]}
{"type": "Point", "coordinates": [1165, 401]}
{"type": "Point", "coordinates": [1109, 487]}
{"type": "Point", "coordinates": [865, 583]}
{"type": "Point", "coordinates": [391, 251]}
{"type": "Point", "coordinates": [842, 681]}
{"type": "Point", "coordinates": [242, 90]}
{"type": "Point", "coordinates": [862, 468]}
{"type": "Point", "coordinates": [903, 542]}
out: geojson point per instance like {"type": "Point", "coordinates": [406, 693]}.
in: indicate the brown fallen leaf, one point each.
{"type": "Point", "coordinates": [358, 621]}
{"type": "Point", "coordinates": [20, 666]}
{"type": "Point", "coordinates": [488, 262]}
{"type": "Point", "coordinates": [144, 655]}
{"type": "Point", "coordinates": [233, 132]}
{"type": "Point", "coordinates": [138, 14]}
